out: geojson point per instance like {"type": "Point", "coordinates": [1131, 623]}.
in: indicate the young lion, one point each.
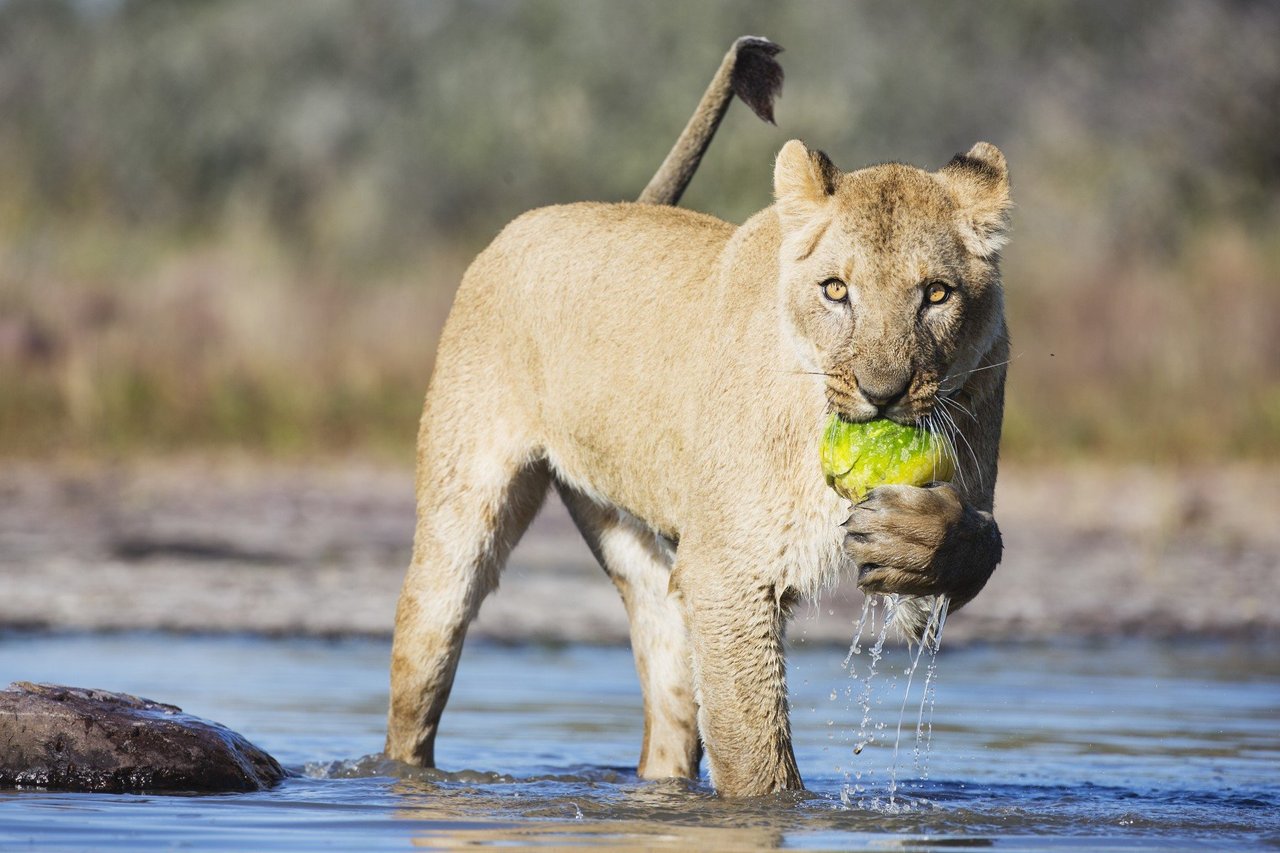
{"type": "Point", "coordinates": [670, 374]}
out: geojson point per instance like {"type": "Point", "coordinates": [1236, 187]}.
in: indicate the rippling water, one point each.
{"type": "Point", "coordinates": [1121, 745]}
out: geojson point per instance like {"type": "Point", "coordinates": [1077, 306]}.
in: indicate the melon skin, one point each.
{"type": "Point", "coordinates": [857, 457]}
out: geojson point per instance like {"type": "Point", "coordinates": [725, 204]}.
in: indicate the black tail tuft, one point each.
{"type": "Point", "coordinates": [757, 76]}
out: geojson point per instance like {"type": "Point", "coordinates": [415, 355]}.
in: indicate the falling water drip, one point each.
{"type": "Point", "coordinates": [924, 738]}
{"type": "Point", "coordinates": [930, 639]}
{"type": "Point", "coordinates": [855, 648]}
{"type": "Point", "coordinates": [933, 633]}
{"type": "Point", "coordinates": [897, 738]}
{"type": "Point", "coordinates": [865, 734]}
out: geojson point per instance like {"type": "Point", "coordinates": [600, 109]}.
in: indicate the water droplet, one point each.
{"type": "Point", "coordinates": [887, 607]}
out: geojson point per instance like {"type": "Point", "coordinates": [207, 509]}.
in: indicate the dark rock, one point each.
{"type": "Point", "coordinates": [74, 739]}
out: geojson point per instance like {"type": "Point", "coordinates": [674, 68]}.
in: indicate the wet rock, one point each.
{"type": "Point", "coordinates": [75, 739]}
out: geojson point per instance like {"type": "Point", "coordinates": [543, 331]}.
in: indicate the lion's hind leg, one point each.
{"type": "Point", "coordinates": [639, 565]}
{"type": "Point", "coordinates": [478, 490]}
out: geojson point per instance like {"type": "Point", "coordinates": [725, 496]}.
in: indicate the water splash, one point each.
{"type": "Point", "coordinates": [866, 737]}
{"type": "Point", "coordinates": [866, 731]}
{"type": "Point", "coordinates": [930, 642]}
{"type": "Point", "coordinates": [855, 648]}
{"type": "Point", "coordinates": [933, 636]}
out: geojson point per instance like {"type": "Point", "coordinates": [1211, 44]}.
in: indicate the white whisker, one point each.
{"type": "Point", "coordinates": [972, 455]}
{"type": "Point", "coordinates": [954, 402]}
{"type": "Point", "coordinates": [968, 373]}
{"type": "Point", "coordinates": [946, 426]}
{"type": "Point", "coordinates": [935, 449]}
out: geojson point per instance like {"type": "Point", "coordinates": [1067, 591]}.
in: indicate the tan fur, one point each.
{"type": "Point", "coordinates": [671, 374]}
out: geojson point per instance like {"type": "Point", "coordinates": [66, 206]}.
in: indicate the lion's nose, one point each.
{"type": "Point", "coordinates": [884, 394]}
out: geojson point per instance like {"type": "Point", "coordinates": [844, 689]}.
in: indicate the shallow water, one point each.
{"type": "Point", "coordinates": [1122, 745]}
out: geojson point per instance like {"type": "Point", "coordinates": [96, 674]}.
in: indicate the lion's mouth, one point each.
{"type": "Point", "coordinates": [854, 408]}
{"type": "Point", "coordinates": [858, 411]}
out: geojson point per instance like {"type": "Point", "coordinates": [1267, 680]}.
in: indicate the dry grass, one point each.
{"type": "Point", "coordinates": [1147, 358]}
{"type": "Point", "coordinates": [237, 224]}
{"type": "Point", "coordinates": [222, 344]}
{"type": "Point", "coordinates": [229, 343]}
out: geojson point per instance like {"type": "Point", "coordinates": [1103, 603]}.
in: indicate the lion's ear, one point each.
{"type": "Point", "coordinates": [979, 180]}
{"type": "Point", "coordinates": [803, 180]}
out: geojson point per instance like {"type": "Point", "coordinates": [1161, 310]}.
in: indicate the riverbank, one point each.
{"type": "Point", "coordinates": [241, 546]}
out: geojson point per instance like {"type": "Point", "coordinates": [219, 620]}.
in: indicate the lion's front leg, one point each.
{"type": "Point", "coordinates": [735, 625]}
{"type": "Point", "coordinates": [922, 541]}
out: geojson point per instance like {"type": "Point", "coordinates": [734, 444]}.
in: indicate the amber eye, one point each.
{"type": "Point", "coordinates": [835, 290]}
{"type": "Point", "coordinates": [937, 292]}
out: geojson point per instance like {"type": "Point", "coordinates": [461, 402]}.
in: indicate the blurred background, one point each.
{"type": "Point", "coordinates": [237, 223]}
{"type": "Point", "coordinates": [230, 233]}
{"type": "Point", "coordinates": [232, 229]}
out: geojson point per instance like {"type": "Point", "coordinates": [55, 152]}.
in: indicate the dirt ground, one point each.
{"type": "Point", "coordinates": [235, 545]}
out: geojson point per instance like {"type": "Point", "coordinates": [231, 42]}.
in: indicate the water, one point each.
{"type": "Point", "coordinates": [1123, 745]}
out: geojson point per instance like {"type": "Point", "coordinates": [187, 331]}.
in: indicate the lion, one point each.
{"type": "Point", "coordinates": [669, 375]}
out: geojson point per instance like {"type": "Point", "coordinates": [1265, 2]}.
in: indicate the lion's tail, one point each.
{"type": "Point", "coordinates": [749, 71]}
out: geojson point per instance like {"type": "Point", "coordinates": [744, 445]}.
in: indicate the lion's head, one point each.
{"type": "Point", "coordinates": [890, 275]}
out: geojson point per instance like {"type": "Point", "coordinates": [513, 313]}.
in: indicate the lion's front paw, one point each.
{"type": "Point", "coordinates": [921, 541]}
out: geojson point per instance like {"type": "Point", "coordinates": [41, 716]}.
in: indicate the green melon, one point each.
{"type": "Point", "coordinates": [857, 457]}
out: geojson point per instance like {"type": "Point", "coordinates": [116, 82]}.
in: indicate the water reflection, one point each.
{"type": "Point", "coordinates": [1128, 744]}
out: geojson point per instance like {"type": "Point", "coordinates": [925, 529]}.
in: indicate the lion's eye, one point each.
{"type": "Point", "coordinates": [835, 290]}
{"type": "Point", "coordinates": [937, 292]}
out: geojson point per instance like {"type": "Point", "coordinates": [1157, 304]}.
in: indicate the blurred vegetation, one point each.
{"type": "Point", "coordinates": [240, 222]}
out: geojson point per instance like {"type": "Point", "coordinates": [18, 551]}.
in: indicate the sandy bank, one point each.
{"type": "Point", "coordinates": [236, 546]}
